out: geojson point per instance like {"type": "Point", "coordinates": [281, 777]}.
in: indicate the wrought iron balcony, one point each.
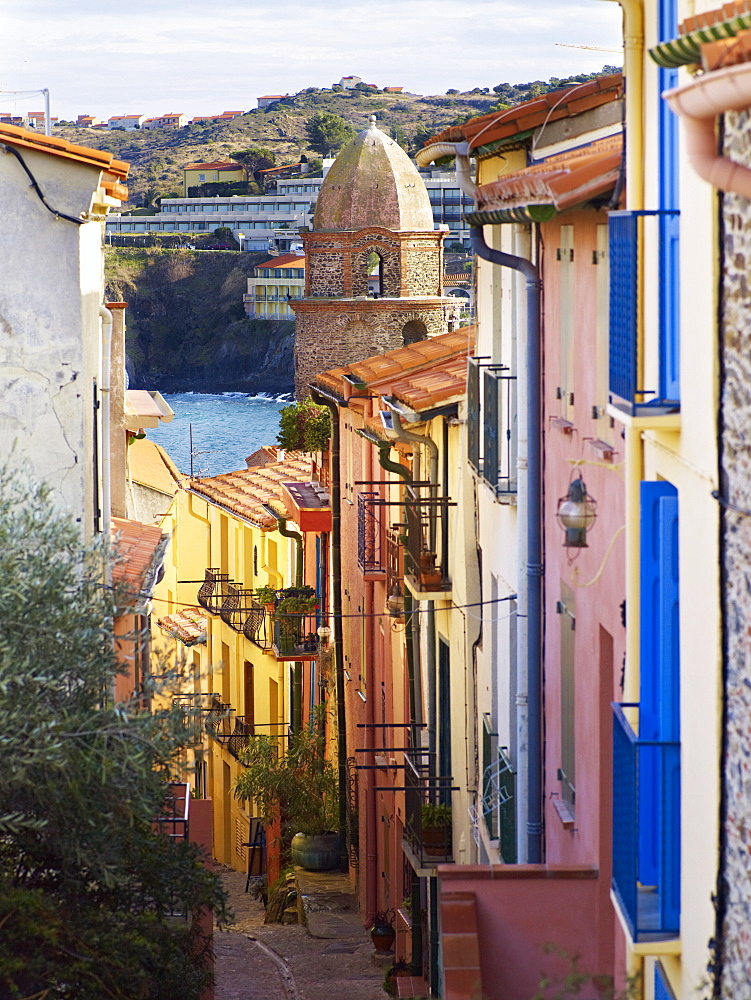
{"type": "Point", "coordinates": [295, 636]}
{"type": "Point", "coordinates": [219, 723]}
{"type": "Point", "coordinates": [213, 591]}
{"type": "Point", "coordinates": [370, 554]}
{"type": "Point", "coordinates": [646, 829]}
{"type": "Point", "coordinates": [257, 626]}
{"type": "Point", "coordinates": [195, 707]}
{"type": "Point", "coordinates": [427, 812]}
{"type": "Point", "coordinates": [426, 514]}
{"type": "Point", "coordinates": [238, 602]}
{"type": "Point", "coordinates": [242, 730]}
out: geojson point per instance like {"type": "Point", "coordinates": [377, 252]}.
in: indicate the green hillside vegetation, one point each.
{"type": "Point", "coordinates": [158, 156]}
{"type": "Point", "coordinates": [186, 325]}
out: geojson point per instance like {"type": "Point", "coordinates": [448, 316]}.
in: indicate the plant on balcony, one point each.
{"type": "Point", "coordinates": [265, 596]}
{"type": "Point", "coordinates": [290, 615]}
{"type": "Point", "coordinates": [299, 785]}
{"type": "Point", "coordinates": [304, 426]}
{"type": "Point", "coordinates": [435, 819]}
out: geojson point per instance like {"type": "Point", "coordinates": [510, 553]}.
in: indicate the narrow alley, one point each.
{"type": "Point", "coordinates": [330, 959]}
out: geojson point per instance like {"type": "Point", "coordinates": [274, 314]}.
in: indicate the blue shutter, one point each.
{"type": "Point", "coordinates": [658, 673]}
{"type": "Point", "coordinates": [662, 988]}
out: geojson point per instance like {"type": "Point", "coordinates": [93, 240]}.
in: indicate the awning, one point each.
{"type": "Point", "coordinates": [537, 193]}
{"type": "Point", "coordinates": [146, 408]}
{"type": "Point", "coordinates": [711, 26]}
{"type": "Point", "coordinates": [188, 625]}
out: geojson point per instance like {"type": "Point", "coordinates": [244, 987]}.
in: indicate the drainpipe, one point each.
{"type": "Point", "coordinates": [332, 404]}
{"type": "Point", "coordinates": [281, 524]}
{"type": "Point", "coordinates": [633, 72]}
{"type": "Point", "coordinates": [533, 534]}
{"type": "Point", "coordinates": [698, 104]}
{"type": "Point", "coordinates": [104, 388]}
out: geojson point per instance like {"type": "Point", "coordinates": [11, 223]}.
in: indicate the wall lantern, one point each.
{"type": "Point", "coordinates": [324, 634]}
{"type": "Point", "coordinates": [576, 514]}
{"type": "Point", "coordinates": [395, 602]}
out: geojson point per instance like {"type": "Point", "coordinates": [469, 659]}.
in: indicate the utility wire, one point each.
{"type": "Point", "coordinates": [37, 189]}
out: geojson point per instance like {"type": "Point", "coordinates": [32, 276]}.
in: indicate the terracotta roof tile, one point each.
{"type": "Point", "coordinates": [188, 625]}
{"type": "Point", "coordinates": [521, 118]}
{"type": "Point", "coordinates": [135, 547]}
{"type": "Point", "coordinates": [376, 371]}
{"type": "Point", "coordinates": [245, 492]}
{"type": "Point", "coordinates": [214, 165]}
{"type": "Point", "coordinates": [26, 139]}
{"type": "Point", "coordinates": [563, 181]}
{"type": "Point", "coordinates": [285, 260]}
{"type": "Point", "coordinates": [443, 383]}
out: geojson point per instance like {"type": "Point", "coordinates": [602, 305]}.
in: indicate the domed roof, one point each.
{"type": "Point", "coordinates": [373, 182]}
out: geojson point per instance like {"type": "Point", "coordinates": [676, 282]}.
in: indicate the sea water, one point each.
{"type": "Point", "coordinates": [227, 427]}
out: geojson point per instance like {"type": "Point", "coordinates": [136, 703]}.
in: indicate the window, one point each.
{"type": "Point", "coordinates": [374, 269]}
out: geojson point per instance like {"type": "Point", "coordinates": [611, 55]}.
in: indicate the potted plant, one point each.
{"type": "Point", "coordinates": [301, 787]}
{"type": "Point", "coordinates": [267, 597]}
{"type": "Point", "coordinates": [430, 575]}
{"type": "Point", "coordinates": [290, 614]}
{"type": "Point", "coordinates": [382, 932]}
{"type": "Point", "coordinates": [435, 821]}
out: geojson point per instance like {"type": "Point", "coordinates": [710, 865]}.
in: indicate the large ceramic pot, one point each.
{"type": "Point", "coordinates": [318, 852]}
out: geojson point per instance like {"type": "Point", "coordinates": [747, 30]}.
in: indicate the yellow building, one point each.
{"type": "Point", "coordinates": [232, 534]}
{"type": "Point", "coordinates": [276, 283]}
{"type": "Point", "coordinates": [217, 171]}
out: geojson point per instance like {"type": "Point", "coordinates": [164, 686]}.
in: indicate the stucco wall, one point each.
{"type": "Point", "coordinates": [49, 326]}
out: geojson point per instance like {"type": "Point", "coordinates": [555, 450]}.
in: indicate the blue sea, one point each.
{"type": "Point", "coordinates": [227, 427]}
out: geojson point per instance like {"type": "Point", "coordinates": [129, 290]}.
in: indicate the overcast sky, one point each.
{"type": "Point", "coordinates": [157, 56]}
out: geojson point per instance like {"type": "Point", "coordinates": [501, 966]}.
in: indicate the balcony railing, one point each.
{"type": "Point", "coordinates": [237, 604]}
{"type": "Point", "coordinates": [219, 723]}
{"type": "Point", "coordinates": [195, 706]}
{"type": "Point", "coordinates": [173, 820]}
{"type": "Point", "coordinates": [295, 636]}
{"type": "Point", "coordinates": [429, 843]}
{"type": "Point", "coordinates": [646, 829]}
{"type": "Point", "coordinates": [214, 590]}
{"type": "Point", "coordinates": [626, 348]}
{"type": "Point", "coordinates": [369, 534]}
{"type": "Point", "coordinates": [242, 730]}
{"type": "Point", "coordinates": [426, 515]}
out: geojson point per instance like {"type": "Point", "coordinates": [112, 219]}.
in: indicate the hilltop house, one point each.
{"type": "Point", "coordinates": [126, 123]}
{"type": "Point", "coordinates": [166, 121]}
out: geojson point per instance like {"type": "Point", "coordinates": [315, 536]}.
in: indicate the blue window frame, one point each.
{"type": "Point", "coordinates": [670, 316]}
{"type": "Point", "coordinates": [646, 739]}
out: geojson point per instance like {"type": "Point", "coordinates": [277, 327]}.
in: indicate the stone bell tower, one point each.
{"type": "Point", "coordinates": [374, 261]}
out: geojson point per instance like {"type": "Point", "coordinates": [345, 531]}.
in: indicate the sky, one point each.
{"type": "Point", "coordinates": [159, 56]}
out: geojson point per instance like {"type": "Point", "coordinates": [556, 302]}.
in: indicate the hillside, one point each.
{"type": "Point", "coordinates": [157, 156]}
{"type": "Point", "coordinates": [186, 327]}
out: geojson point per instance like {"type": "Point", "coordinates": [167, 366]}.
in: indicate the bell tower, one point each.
{"type": "Point", "coordinates": [374, 261]}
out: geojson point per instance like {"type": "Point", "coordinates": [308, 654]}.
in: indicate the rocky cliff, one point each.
{"type": "Point", "coordinates": [186, 326]}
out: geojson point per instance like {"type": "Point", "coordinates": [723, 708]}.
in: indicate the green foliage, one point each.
{"type": "Point", "coordinates": [296, 782]}
{"type": "Point", "coordinates": [327, 133]}
{"type": "Point", "coordinates": [255, 158]}
{"type": "Point", "coordinates": [87, 887]}
{"type": "Point", "coordinates": [304, 426]}
{"type": "Point", "coordinates": [435, 814]}
{"type": "Point", "coordinates": [265, 595]}
{"type": "Point", "coordinates": [518, 92]}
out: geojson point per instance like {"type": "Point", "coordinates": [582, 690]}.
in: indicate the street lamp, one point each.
{"type": "Point", "coordinates": [576, 514]}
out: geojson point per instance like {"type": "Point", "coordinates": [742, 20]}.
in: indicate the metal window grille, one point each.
{"type": "Point", "coordinates": [369, 534]}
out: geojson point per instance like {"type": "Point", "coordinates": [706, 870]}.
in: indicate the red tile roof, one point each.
{"type": "Point", "coordinates": [245, 492]}
{"type": "Point", "coordinates": [26, 139]}
{"type": "Point", "coordinates": [384, 371]}
{"type": "Point", "coordinates": [215, 165]}
{"type": "Point", "coordinates": [285, 260]}
{"type": "Point", "coordinates": [188, 625]}
{"type": "Point", "coordinates": [563, 181]}
{"type": "Point", "coordinates": [136, 547]}
{"type": "Point", "coordinates": [515, 122]}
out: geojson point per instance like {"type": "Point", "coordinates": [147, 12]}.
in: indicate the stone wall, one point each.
{"type": "Point", "coordinates": [735, 474]}
{"type": "Point", "coordinates": [336, 263]}
{"type": "Point", "coordinates": [340, 332]}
